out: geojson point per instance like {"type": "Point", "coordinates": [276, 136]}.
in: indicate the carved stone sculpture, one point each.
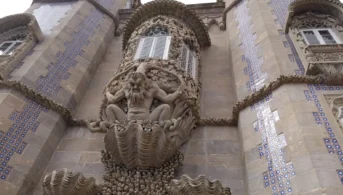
{"type": "Point", "coordinates": [69, 183]}
{"type": "Point", "coordinates": [141, 133]}
{"type": "Point", "coordinates": [140, 93]}
{"type": "Point", "coordinates": [198, 186]}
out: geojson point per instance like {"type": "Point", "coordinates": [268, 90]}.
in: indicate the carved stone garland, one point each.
{"type": "Point", "coordinates": [322, 63]}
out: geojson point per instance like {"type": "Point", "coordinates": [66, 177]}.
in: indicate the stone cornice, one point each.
{"type": "Point", "coordinates": [226, 10]}
{"type": "Point", "coordinates": [168, 8]}
{"type": "Point", "coordinates": [326, 48]}
{"type": "Point", "coordinates": [105, 11]}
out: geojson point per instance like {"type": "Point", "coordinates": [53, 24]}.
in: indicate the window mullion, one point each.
{"type": "Point", "coordinates": [9, 47]}
{"type": "Point", "coordinates": [186, 67]}
{"type": "Point", "coordinates": [139, 48]}
{"type": "Point", "coordinates": [166, 48]}
{"type": "Point", "coordinates": [152, 48]}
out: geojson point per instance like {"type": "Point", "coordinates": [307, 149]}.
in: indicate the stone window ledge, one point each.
{"type": "Point", "coordinates": [325, 48]}
{"type": "Point", "coordinates": [3, 57]}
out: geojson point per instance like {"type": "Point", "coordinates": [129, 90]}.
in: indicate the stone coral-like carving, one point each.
{"type": "Point", "coordinates": [137, 134]}
{"type": "Point", "coordinates": [69, 183]}
{"type": "Point", "coordinates": [167, 8]}
{"type": "Point", "coordinates": [198, 186]}
{"type": "Point", "coordinates": [329, 71]}
{"type": "Point", "coordinates": [152, 181]}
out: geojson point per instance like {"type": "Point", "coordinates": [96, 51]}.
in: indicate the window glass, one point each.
{"type": "Point", "coordinates": [188, 60]}
{"type": "Point", "coordinates": [12, 48]}
{"type": "Point", "coordinates": [7, 47]}
{"type": "Point", "coordinates": [190, 63]}
{"type": "Point", "coordinates": [184, 56]}
{"type": "Point", "coordinates": [327, 37]}
{"type": "Point", "coordinates": [311, 37]}
{"type": "Point", "coordinates": [159, 48]}
{"type": "Point", "coordinates": [154, 45]}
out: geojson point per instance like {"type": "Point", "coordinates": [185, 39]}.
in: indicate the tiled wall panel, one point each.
{"type": "Point", "coordinates": [278, 174]}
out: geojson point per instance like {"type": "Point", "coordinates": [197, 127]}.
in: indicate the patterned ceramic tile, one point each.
{"type": "Point", "coordinates": [25, 120]}
{"type": "Point", "coordinates": [331, 142]}
{"type": "Point", "coordinates": [279, 173]}
{"type": "Point", "coordinates": [280, 9]}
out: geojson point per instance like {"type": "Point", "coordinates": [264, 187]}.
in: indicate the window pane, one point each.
{"type": "Point", "coordinates": [184, 57]}
{"type": "Point", "coordinates": [190, 64]}
{"type": "Point", "coordinates": [311, 37]}
{"type": "Point", "coordinates": [145, 51]}
{"type": "Point", "coordinates": [160, 45]}
{"type": "Point", "coordinates": [327, 37]}
{"type": "Point", "coordinates": [13, 48]}
{"type": "Point", "coordinates": [4, 46]}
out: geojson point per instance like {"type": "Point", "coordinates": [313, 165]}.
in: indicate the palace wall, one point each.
{"type": "Point", "coordinates": [286, 143]}
{"type": "Point", "coordinates": [76, 35]}
{"type": "Point", "coordinates": [291, 137]}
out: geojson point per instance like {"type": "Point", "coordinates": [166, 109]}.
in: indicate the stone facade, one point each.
{"type": "Point", "coordinates": [233, 97]}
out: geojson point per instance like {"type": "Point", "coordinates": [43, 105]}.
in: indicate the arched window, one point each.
{"type": "Point", "coordinates": [155, 44]}
{"type": "Point", "coordinates": [188, 60]}
{"type": "Point", "coordinates": [7, 47]}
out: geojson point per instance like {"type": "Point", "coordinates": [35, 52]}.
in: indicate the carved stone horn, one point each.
{"type": "Point", "coordinates": [69, 183]}
{"type": "Point", "coordinates": [198, 186]}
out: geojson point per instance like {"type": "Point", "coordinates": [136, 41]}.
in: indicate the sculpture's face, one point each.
{"type": "Point", "coordinates": [137, 83]}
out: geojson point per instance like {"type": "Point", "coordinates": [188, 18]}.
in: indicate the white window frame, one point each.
{"type": "Point", "coordinates": [194, 64]}
{"type": "Point", "coordinates": [319, 37]}
{"type": "Point", "coordinates": [9, 47]}
{"type": "Point", "coordinates": [152, 48]}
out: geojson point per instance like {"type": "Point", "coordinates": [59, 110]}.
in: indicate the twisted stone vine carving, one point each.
{"type": "Point", "coordinates": [69, 183]}
{"type": "Point", "coordinates": [198, 186]}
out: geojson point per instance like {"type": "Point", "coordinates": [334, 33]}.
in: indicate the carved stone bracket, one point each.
{"type": "Point", "coordinates": [211, 20]}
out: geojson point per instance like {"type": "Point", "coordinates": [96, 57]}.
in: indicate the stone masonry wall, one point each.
{"type": "Point", "coordinates": [291, 140]}
{"type": "Point", "coordinates": [60, 68]}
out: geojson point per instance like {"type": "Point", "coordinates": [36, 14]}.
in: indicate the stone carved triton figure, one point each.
{"type": "Point", "coordinates": [140, 93]}
{"type": "Point", "coordinates": [145, 123]}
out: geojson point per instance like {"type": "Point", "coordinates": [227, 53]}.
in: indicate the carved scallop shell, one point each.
{"type": "Point", "coordinates": [147, 145]}
{"type": "Point", "coordinates": [69, 183]}
{"type": "Point", "coordinates": [198, 186]}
